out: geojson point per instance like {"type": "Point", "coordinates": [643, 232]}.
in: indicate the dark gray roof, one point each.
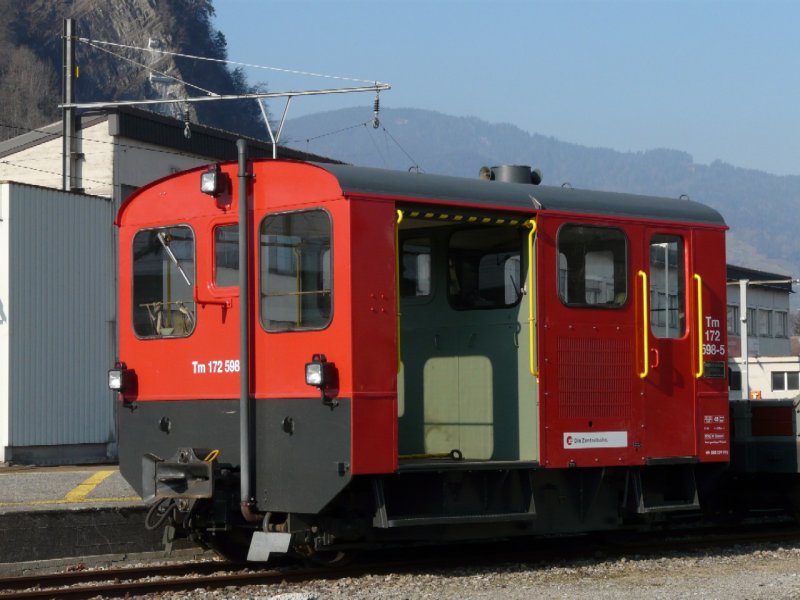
{"type": "Point", "coordinates": [166, 132]}
{"type": "Point", "coordinates": [412, 186]}
{"type": "Point", "coordinates": [735, 273]}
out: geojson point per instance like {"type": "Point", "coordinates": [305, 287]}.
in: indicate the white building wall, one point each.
{"type": "Point", "coordinates": [60, 318]}
{"type": "Point", "coordinates": [139, 164]}
{"type": "Point", "coordinates": [760, 376]}
{"type": "Point", "coordinates": [41, 164]}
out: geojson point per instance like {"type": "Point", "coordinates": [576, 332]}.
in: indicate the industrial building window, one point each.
{"type": "Point", "coordinates": [592, 266]}
{"type": "Point", "coordinates": [667, 296]}
{"type": "Point", "coordinates": [163, 282]}
{"type": "Point", "coordinates": [226, 255]}
{"type": "Point", "coordinates": [415, 268]}
{"type": "Point", "coordinates": [296, 271]}
{"type": "Point", "coordinates": [781, 324]}
{"type": "Point", "coordinates": [751, 322]}
{"type": "Point", "coordinates": [785, 381]}
{"type": "Point", "coordinates": [484, 268]}
{"type": "Point", "coordinates": [764, 323]}
{"type": "Point", "coordinates": [734, 380]}
{"type": "Point", "coordinates": [733, 319]}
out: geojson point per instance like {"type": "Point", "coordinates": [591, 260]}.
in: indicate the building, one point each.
{"type": "Point", "coordinates": [122, 150]}
{"type": "Point", "coordinates": [58, 323]}
{"type": "Point", "coordinates": [772, 371]}
{"type": "Point", "coordinates": [57, 327]}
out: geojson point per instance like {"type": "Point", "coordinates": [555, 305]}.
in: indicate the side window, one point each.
{"type": "Point", "coordinates": [484, 268]}
{"type": "Point", "coordinates": [667, 293]}
{"type": "Point", "coordinates": [226, 255]}
{"type": "Point", "coordinates": [163, 282]}
{"type": "Point", "coordinates": [415, 268]}
{"type": "Point", "coordinates": [296, 275]}
{"type": "Point", "coordinates": [592, 266]}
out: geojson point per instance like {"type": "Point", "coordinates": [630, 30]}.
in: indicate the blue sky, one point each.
{"type": "Point", "coordinates": [718, 79]}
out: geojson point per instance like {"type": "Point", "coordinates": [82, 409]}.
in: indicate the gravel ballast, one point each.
{"type": "Point", "coordinates": [751, 572]}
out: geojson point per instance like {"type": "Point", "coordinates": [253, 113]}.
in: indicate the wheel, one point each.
{"type": "Point", "coordinates": [325, 558]}
{"type": "Point", "coordinates": [231, 545]}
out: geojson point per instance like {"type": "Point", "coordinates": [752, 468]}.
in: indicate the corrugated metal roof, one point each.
{"type": "Point", "coordinates": [735, 273]}
{"type": "Point", "coordinates": [402, 184]}
{"type": "Point", "coordinates": [152, 128]}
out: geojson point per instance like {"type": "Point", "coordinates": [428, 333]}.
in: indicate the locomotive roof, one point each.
{"type": "Point", "coordinates": [401, 184]}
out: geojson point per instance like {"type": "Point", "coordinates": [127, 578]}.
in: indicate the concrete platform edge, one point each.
{"type": "Point", "coordinates": [78, 535]}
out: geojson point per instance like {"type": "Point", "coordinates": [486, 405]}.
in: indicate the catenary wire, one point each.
{"type": "Point", "coordinates": [226, 61]}
{"type": "Point", "coordinates": [152, 70]}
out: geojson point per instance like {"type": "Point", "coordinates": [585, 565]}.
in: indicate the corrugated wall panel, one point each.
{"type": "Point", "coordinates": [62, 326]}
{"type": "Point", "coordinates": [4, 326]}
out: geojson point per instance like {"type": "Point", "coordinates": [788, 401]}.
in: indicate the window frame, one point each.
{"type": "Point", "coordinates": [785, 379]}
{"type": "Point", "coordinates": [262, 278]}
{"type": "Point", "coordinates": [193, 277]}
{"type": "Point", "coordinates": [625, 271]}
{"type": "Point", "coordinates": [422, 298]}
{"type": "Point", "coordinates": [216, 227]}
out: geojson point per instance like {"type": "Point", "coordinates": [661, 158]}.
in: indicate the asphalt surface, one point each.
{"type": "Point", "coordinates": [73, 514]}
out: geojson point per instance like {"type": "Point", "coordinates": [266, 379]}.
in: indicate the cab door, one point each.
{"type": "Point", "coordinates": [667, 328]}
{"type": "Point", "coordinates": [589, 359]}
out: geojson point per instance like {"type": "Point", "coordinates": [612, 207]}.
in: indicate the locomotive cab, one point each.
{"type": "Point", "coordinates": [423, 351]}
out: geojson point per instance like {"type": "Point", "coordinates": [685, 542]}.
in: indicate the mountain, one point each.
{"type": "Point", "coordinates": [31, 46]}
{"type": "Point", "coordinates": [761, 209]}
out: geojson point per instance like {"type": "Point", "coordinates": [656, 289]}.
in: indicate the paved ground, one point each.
{"type": "Point", "coordinates": [25, 489]}
{"type": "Point", "coordinates": [70, 513]}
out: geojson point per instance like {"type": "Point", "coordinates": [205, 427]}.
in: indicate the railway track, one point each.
{"type": "Point", "coordinates": [139, 581]}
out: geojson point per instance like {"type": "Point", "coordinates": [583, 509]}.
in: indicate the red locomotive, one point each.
{"type": "Point", "coordinates": [391, 356]}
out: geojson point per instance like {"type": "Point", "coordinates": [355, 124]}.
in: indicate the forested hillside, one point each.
{"type": "Point", "coordinates": [762, 209]}
{"type": "Point", "coordinates": [31, 47]}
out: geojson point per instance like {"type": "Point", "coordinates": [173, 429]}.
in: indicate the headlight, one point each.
{"type": "Point", "coordinates": [115, 380]}
{"type": "Point", "coordinates": [213, 181]}
{"type": "Point", "coordinates": [117, 377]}
{"type": "Point", "coordinates": [318, 371]}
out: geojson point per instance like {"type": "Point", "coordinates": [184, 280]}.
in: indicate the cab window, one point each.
{"type": "Point", "coordinates": [592, 266]}
{"type": "Point", "coordinates": [484, 268]}
{"type": "Point", "coordinates": [667, 293]}
{"type": "Point", "coordinates": [163, 282]}
{"type": "Point", "coordinates": [296, 271]}
{"type": "Point", "coordinates": [415, 276]}
{"type": "Point", "coordinates": [226, 255]}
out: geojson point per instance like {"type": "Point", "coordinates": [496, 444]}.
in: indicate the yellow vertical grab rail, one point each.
{"type": "Point", "coordinates": [645, 325]}
{"type": "Point", "coordinates": [700, 364]}
{"type": "Point", "coordinates": [531, 224]}
{"type": "Point", "coordinates": [397, 279]}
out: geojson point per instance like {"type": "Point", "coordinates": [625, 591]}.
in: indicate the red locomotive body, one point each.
{"type": "Point", "coordinates": [422, 351]}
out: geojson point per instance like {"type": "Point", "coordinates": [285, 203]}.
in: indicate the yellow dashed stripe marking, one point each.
{"type": "Point", "coordinates": [87, 487]}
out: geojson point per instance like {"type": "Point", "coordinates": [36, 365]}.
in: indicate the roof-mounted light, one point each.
{"type": "Point", "coordinates": [213, 181]}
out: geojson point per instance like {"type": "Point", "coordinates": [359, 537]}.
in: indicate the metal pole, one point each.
{"type": "Point", "coordinates": [743, 283]}
{"type": "Point", "coordinates": [247, 501]}
{"type": "Point", "coordinates": [68, 114]}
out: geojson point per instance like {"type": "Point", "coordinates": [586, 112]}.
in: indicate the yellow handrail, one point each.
{"type": "Point", "coordinates": [531, 223]}
{"type": "Point", "coordinates": [700, 364]}
{"type": "Point", "coordinates": [645, 325]}
{"type": "Point", "coordinates": [397, 279]}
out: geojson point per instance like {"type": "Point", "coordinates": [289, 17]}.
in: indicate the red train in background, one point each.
{"type": "Point", "coordinates": [355, 357]}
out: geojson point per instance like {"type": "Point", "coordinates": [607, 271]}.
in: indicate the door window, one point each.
{"type": "Point", "coordinates": [296, 277]}
{"type": "Point", "coordinates": [592, 266]}
{"type": "Point", "coordinates": [667, 289]}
